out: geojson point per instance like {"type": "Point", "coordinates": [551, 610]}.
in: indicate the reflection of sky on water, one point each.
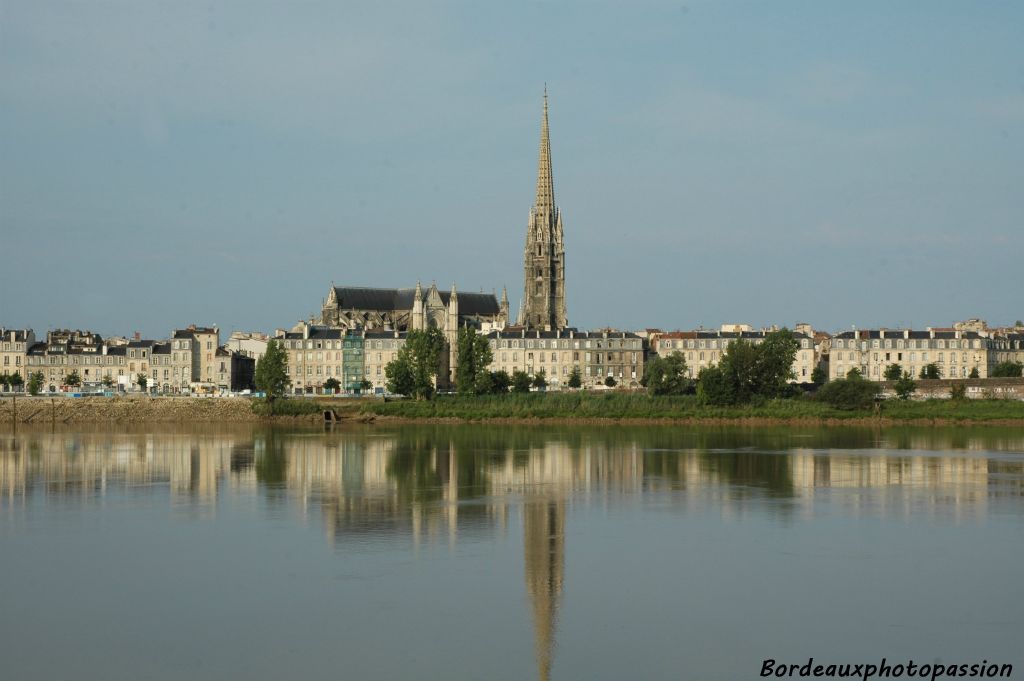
{"type": "Point", "coordinates": [678, 532]}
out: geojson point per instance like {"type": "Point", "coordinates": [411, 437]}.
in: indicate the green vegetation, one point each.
{"type": "Point", "coordinates": [521, 382]}
{"type": "Point", "coordinates": [365, 385]}
{"type": "Point", "coordinates": [73, 379]}
{"type": "Point", "coordinates": [667, 376]}
{"type": "Point", "coordinates": [974, 373]}
{"type": "Point", "coordinates": [412, 372]}
{"type": "Point", "coordinates": [471, 374]}
{"type": "Point", "coordinates": [1008, 370]}
{"type": "Point", "coordinates": [893, 372]}
{"type": "Point", "coordinates": [931, 371]}
{"type": "Point", "coordinates": [849, 394]}
{"type": "Point", "coordinates": [332, 384]}
{"type": "Point", "coordinates": [854, 373]}
{"type": "Point", "coordinates": [748, 372]}
{"type": "Point", "coordinates": [609, 381]}
{"type": "Point", "coordinates": [819, 376]}
{"type": "Point", "coordinates": [108, 382]}
{"type": "Point", "coordinates": [905, 386]}
{"type": "Point", "coordinates": [285, 407]}
{"type": "Point", "coordinates": [958, 391]}
{"type": "Point", "coordinates": [272, 373]}
{"type": "Point", "coordinates": [855, 400]}
{"type": "Point", "coordinates": [35, 382]}
{"type": "Point", "coordinates": [141, 381]}
{"type": "Point", "coordinates": [540, 381]}
{"type": "Point", "coordinates": [575, 380]}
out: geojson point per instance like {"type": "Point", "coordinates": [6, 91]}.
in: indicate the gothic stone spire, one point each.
{"type": "Point", "coordinates": [544, 257]}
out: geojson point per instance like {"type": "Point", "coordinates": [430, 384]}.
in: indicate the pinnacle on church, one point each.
{"type": "Point", "coordinates": [545, 181]}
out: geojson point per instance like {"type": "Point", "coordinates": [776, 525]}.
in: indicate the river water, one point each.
{"type": "Point", "coordinates": [505, 552]}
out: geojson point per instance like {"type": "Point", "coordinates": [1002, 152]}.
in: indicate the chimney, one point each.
{"type": "Point", "coordinates": [138, 336]}
{"type": "Point", "coordinates": [906, 333]}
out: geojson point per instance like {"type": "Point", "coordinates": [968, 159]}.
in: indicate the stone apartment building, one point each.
{"type": "Point", "coordinates": [704, 348]}
{"type": "Point", "coordinates": [957, 353]}
{"type": "Point", "coordinates": [315, 354]}
{"type": "Point", "coordinates": [14, 345]}
{"type": "Point", "coordinates": [1008, 347]}
{"type": "Point", "coordinates": [379, 348]}
{"type": "Point", "coordinates": [597, 354]}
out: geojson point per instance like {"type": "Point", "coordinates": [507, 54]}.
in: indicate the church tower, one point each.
{"type": "Point", "coordinates": [544, 259]}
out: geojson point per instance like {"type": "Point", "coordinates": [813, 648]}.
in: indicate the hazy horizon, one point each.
{"type": "Point", "coordinates": [715, 163]}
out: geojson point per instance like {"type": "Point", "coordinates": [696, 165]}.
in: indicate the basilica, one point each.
{"type": "Point", "coordinates": [542, 306]}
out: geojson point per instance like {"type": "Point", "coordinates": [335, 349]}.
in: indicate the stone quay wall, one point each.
{"type": "Point", "coordinates": [62, 409]}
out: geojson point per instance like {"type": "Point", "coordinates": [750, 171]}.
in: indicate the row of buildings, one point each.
{"type": "Point", "coordinates": [361, 329]}
{"type": "Point", "coordinates": [193, 360]}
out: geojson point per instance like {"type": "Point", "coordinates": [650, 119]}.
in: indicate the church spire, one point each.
{"type": "Point", "coordinates": [545, 181]}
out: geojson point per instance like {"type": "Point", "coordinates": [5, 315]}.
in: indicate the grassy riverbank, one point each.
{"type": "Point", "coordinates": [639, 406]}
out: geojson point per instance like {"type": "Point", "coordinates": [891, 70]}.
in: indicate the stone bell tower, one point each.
{"type": "Point", "coordinates": [544, 258]}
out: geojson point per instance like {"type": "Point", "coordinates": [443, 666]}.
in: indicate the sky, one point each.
{"type": "Point", "coordinates": [715, 162]}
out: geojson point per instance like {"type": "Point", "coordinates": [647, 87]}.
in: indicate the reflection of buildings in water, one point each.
{"type": "Point", "coordinates": [77, 464]}
{"type": "Point", "coordinates": [544, 563]}
{"type": "Point", "coordinates": [938, 481]}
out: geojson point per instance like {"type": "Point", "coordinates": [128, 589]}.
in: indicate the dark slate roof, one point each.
{"type": "Point", "coordinates": [391, 299]}
{"type": "Point", "coordinates": [316, 333]}
{"type": "Point", "coordinates": [116, 350]}
{"type": "Point", "coordinates": [384, 333]}
{"type": "Point", "coordinates": [141, 343]}
{"type": "Point", "coordinates": [162, 349]}
{"type": "Point", "coordinates": [872, 334]}
{"type": "Point", "coordinates": [519, 332]}
{"type": "Point", "coordinates": [36, 349]}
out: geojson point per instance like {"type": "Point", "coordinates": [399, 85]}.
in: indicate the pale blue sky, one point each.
{"type": "Point", "coordinates": [835, 163]}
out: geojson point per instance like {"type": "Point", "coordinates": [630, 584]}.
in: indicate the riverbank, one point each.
{"type": "Point", "coordinates": [61, 409]}
{"type": "Point", "coordinates": [533, 409]}
{"type": "Point", "coordinates": [640, 408]}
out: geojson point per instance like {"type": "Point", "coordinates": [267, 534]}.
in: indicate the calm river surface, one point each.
{"type": "Point", "coordinates": [511, 552]}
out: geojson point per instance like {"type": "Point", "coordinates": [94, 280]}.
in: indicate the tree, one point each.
{"type": "Point", "coordinates": [500, 382]}
{"type": "Point", "coordinates": [142, 381]}
{"type": "Point", "coordinates": [1007, 370]}
{"type": "Point", "coordinates": [958, 391]}
{"type": "Point", "coordinates": [332, 384]}
{"type": "Point", "coordinates": [520, 382]}
{"type": "Point", "coordinates": [73, 379]}
{"type": "Point", "coordinates": [412, 372]}
{"type": "Point", "coordinates": [849, 393]}
{"type": "Point", "coordinates": [474, 357]}
{"type": "Point", "coordinates": [575, 380]}
{"type": "Point", "coordinates": [271, 376]}
{"type": "Point", "coordinates": [108, 381]}
{"type": "Point", "coordinates": [819, 376]}
{"type": "Point", "coordinates": [667, 375]}
{"type": "Point", "coordinates": [399, 376]}
{"type": "Point", "coordinates": [893, 372]}
{"type": "Point", "coordinates": [974, 373]}
{"type": "Point", "coordinates": [540, 380]}
{"type": "Point", "coordinates": [774, 366]}
{"type": "Point", "coordinates": [5, 380]}
{"type": "Point", "coordinates": [16, 380]}
{"type": "Point", "coordinates": [35, 382]}
{"type": "Point", "coordinates": [610, 381]}
{"type": "Point", "coordinates": [931, 371]}
{"type": "Point", "coordinates": [854, 374]}
{"type": "Point", "coordinates": [746, 371]}
{"type": "Point", "coordinates": [905, 386]}
{"type": "Point", "coordinates": [365, 385]}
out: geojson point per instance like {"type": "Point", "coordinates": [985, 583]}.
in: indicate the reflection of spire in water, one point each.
{"type": "Point", "coordinates": [544, 556]}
